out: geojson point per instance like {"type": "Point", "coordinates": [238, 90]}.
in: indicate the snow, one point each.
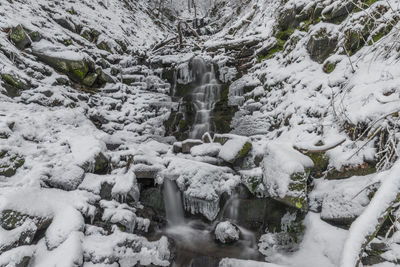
{"type": "Point", "coordinates": [210, 149]}
{"type": "Point", "coordinates": [280, 162]}
{"type": "Point", "coordinates": [248, 263]}
{"type": "Point", "coordinates": [226, 232]}
{"type": "Point", "coordinates": [231, 149]}
{"type": "Point", "coordinates": [366, 223]}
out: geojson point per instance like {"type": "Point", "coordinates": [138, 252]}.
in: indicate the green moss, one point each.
{"type": "Point", "coordinates": [246, 148]}
{"type": "Point", "coordinates": [275, 49]}
{"type": "Point", "coordinates": [321, 162]}
{"type": "Point", "coordinates": [329, 67]}
{"type": "Point", "coordinates": [253, 183]}
{"type": "Point", "coordinates": [285, 35]}
{"type": "Point", "coordinates": [10, 80]}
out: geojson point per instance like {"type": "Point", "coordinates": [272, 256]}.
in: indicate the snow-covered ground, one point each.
{"type": "Point", "coordinates": [83, 107]}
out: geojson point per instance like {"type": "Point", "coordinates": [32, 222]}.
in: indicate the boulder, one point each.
{"type": "Point", "coordinates": [226, 232]}
{"type": "Point", "coordinates": [99, 165]}
{"type": "Point", "coordinates": [78, 70]}
{"type": "Point", "coordinates": [206, 138]}
{"type": "Point", "coordinates": [68, 178]}
{"type": "Point", "coordinates": [153, 197]}
{"type": "Point", "coordinates": [19, 37]}
{"type": "Point", "coordinates": [10, 219]}
{"type": "Point", "coordinates": [207, 149]}
{"type": "Point", "coordinates": [189, 143]}
{"type": "Point", "coordinates": [234, 149]}
{"type": "Point", "coordinates": [9, 163]}
{"type": "Point", "coordinates": [321, 45]}
{"type": "Point", "coordinates": [177, 147]}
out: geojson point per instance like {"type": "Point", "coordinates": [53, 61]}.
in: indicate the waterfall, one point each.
{"type": "Point", "coordinates": [204, 96]}
{"type": "Point", "coordinates": [173, 203]}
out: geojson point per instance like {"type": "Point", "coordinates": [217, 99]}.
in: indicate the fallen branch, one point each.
{"type": "Point", "coordinates": [364, 229]}
{"type": "Point", "coordinates": [164, 43]}
{"type": "Point", "coordinates": [191, 29]}
{"type": "Point", "coordinates": [316, 149]}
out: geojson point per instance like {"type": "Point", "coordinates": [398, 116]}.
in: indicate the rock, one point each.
{"type": "Point", "coordinates": [221, 138]}
{"type": "Point", "coordinates": [349, 171]}
{"type": "Point", "coordinates": [287, 19]}
{"type": "Point", "coordinates": [10, 219]}
{"type": "Point", "coordinates": [19, 37]}
{"type": "Point", "coordinates": [208, 149]}
{"type": "Point", "coordinates": [20, 236]}
{"type": "Point", "coordinates": [143, 171]}
{"type": "Point", "coordinates": [153, 197]}
{"type": "Point", "coordinates": [321, 45]}
{"type": "Point", "coordinates": [189, 143]}
{"type": "Point", "coordinates": [235, 149]}
{"type": "Point", "coordinates": [338, 13]}
{"type": "Point", "coordinates": [13, 85]}
{"type": "Point", "coordinates": [9, 163]}
{"type": "Point", "coordinates": [90, 79]}
{"type": "Point", "coordinates": [76, 70]}
{"type": "Point", "coordinates": [99, 165]}
{"type": "Point", "coordinates": [226, 232]}
{"type": "Point", "coordinates": [177, 147]}
{"type": "Point", "coordinates": [65, 178]}
{"type": "Point", "coordinates": [206, 138]}
{"type": "Point", "coordinates": [340, 211]}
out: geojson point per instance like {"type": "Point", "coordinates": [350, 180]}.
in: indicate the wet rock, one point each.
{"type": "Point", "coordinates": [321, 45]}
{"type": "Point", "coordinates": [206, 138]}
{"type": "Point", "coordinates": [189, 143]}
{"type": "Point", "coordinates": [143, 171]}
{"type": "Point", "coordinates": [203, 261]}
{"type": "Point", "coordinates": [153, 197]}
{"type": "Point", "coordinates": [226, 232]}
{"type": "Point", "coordinates": [89, 79]}
{"type": "Point", "coordinates": [177, 147]}
{"type": "Point", "coordinates": [9, 163]}
{"type": "Point", "coordinates": [19, 37]}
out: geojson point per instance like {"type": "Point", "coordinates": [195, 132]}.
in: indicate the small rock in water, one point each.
{"type": "Point", "coordinates": [226, 232]}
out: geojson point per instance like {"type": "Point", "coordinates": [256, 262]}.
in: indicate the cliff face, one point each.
{"type": "Point", "coordinates": [297, 100]}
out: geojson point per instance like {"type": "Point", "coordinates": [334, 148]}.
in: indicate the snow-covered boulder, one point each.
{"type": "Point", "coordinates": [226, 232]}
{"type": "Point", "coordinates": [202, 184]}
{"type": "Point", "coordinates": [207, 149]}
{"type": "Point", "coordinates": [285, 174]}
{"type": "Point", "coordinates": [340, 210]}
{"type": "Point", "coordinates": [189, 143]}
{"type": "Point", "coordinates": [234, 149]}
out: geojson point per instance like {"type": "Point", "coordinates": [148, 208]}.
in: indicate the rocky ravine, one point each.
{"type": "Point", "coordinates": [97, 111]}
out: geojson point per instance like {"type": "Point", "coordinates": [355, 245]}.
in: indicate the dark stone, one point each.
{"type": "Point", "coordinates": [321, 45]}
{"type": "Point", "coordinates": [188, 144]}
{"type": "Point", "coordinates": [153, 198]}
{"type": "Point", "coordinates": [177, 147]}
{"type": "Point", "coordinates": [19, 37]}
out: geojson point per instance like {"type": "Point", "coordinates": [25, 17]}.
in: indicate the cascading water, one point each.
{"type": "Point", "coordinates": [173, 203]}
{"type": "Point", "coordinates": [204, 96]}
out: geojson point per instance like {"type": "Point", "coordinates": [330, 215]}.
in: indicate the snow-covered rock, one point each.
{"type": "Point", "coordinates": [226, 232]}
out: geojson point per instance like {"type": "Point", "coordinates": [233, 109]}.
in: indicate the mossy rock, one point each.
{"type": "Point", "coordinates": [272, 50]}
{"type": "Point", "coordinates": [297, 195]}
{"type": "Point", "coordinates": [19, 37]}
{"type": "Point", "coordinates": [349, 171]}
{"type": "Point", "coordinates": [9, 163]}
{"type": "Point", "coordinates": [76, 70]}
{"type": "Point", "coordinates": [329, 67]}
{"type": "Point", "coordinates": [104, 46]}
{"type": "Point", "coordinates": [321, 45]}
{"type": "Point", "coordinates": [90, 79]}
{"type": "Point", "coordinates": [100, 165]}
{"type": "Point", "coordinates": [321, 162]}
{"type": "Point", "coordinates": [10, 219]}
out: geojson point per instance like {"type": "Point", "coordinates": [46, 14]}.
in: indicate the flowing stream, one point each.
{"type": "Point", "coordinates": [204, 96]}
{"type": "Point", "coordinates": [195, 240]}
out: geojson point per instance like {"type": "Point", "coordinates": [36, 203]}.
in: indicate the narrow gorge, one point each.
{"type": "Point", "coordinates": [217, 133]}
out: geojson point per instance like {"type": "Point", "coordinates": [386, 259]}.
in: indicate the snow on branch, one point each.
{"type": "Point", "coordinates": [319, 149]}
{"type": "Point", "coordinates": [365, 228]}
